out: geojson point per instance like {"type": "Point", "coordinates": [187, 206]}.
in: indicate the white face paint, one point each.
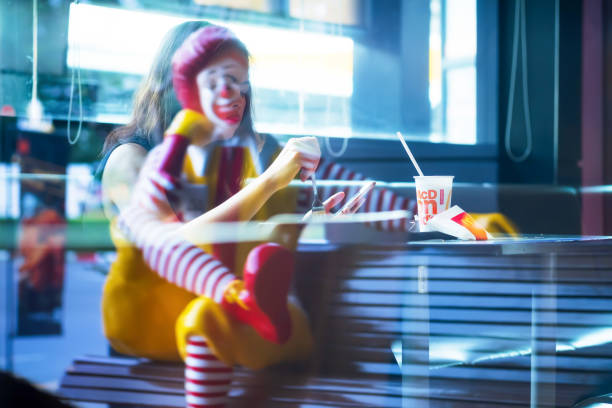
{"type": "Point", "coordinates": [222, 86]}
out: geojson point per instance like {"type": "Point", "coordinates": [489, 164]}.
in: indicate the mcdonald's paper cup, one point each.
{"type": "Point", "coordinates": [433, 197]}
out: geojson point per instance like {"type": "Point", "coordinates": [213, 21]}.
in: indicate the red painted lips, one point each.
{"type": "Point", "coordinates": [231, 114]}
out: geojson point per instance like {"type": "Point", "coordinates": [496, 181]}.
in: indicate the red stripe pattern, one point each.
{"type": "Point", "coordinates": [207, 380]}
{"type": "Point", "coordinates": [229, 181]}
{"type": "Point", "coordinates": [151, 225]}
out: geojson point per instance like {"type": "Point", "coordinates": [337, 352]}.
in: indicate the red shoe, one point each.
{"type": "Point", "coordinates": [260, 300]}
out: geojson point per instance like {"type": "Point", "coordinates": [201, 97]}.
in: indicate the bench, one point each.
{"type": "Point", "coordinates": [411, 327]}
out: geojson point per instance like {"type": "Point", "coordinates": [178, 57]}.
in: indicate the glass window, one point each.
{"type": "Point", "coordinates": [346, 76]}
{"type": "Point", "coordinates": [302, 80]}
{"type": "Point", "coordinates": [340, 11]}
{"type": "Point", "coordinates": [459, 70]}
{"type": "Point", "coordinates": [452, 70]}
{"type": "Point", "coordinates": [404, 306]}
{"type": "Point", "coordinates": [255, 5]}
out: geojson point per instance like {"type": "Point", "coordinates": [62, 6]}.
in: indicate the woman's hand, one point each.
{"type": "Point", "coordinates": [351, 206]}
{"type": "Point", "coordinates": [192, 125]}
{"type": "Point", "coordinates": [328, 204]}
{"type": "Point", "coordinates": [287, 235]}
{"type": "Point", "coordinates": [301, 153]}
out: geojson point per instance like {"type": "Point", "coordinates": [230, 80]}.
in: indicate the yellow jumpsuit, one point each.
{"type": "Point", "coordinates": [147, 316]}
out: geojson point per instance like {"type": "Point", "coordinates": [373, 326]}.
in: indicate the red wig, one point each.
{"type": "Point", "coordinates": [193, 55]}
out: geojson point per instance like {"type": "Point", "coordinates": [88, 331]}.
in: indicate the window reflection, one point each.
{"type": "Point", "coordinates": [452, 70]}
{"type": "Point", "coordinates": [306, 80]}
{"type": "Point", "coordinates": [339, 11]}
{"type": "Point", "coordinates": [346, 68]}
{"type": "Point", "coordinates": [255, 5]}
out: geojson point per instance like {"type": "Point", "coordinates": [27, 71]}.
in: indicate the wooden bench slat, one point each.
{"type": "Point", "coordinates": [475, 315]}
{"type": "Point", "coordinates": [488, 288]}
{"type": "Point", "coordinates": [121, 397]}
{"type": "Point", "coordinates": [120, 371]}
{"type": "Point", "coordinates": [286, 397]}
{"type": "Point", "coordinates": [122, 383]}
{"type": "Point", "coordinates": [590, 275]}
{"type": "Point", "coordinates": [314, 390]}
{"type": "Point", "coordinates": [492, 342]}
{"type": "Point", "coordinates": [366, 257]}
{"type": "Point", "coordinates": [176, 387]}
{"type": "Point", "coordinates": [473, 300]}
{"type": "Point", "coordinates": [112, 390]}
{"type": "Point", "coordinates": [423, 342]}
{"type": "Point", "coordinates": [482, 373]}
{"type": "Point", "coordinates": [478, 330]}
{"type": "Point", "coordinates": [174, 374]}
{"type": "Point", "coordinates": [167, 386]}
{"type": "Point", "coordinates": [140, 391]}
{"type": "Point", "coordinates": [499, 358]}
{"type": "Point", "coordinates": [497, 393]}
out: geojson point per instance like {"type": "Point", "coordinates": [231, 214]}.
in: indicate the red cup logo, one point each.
{"type": "Point", "coordinates": [427, 201]}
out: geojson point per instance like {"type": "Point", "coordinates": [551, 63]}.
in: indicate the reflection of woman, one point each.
{"type": "Point", "coordinates": [224, 313]}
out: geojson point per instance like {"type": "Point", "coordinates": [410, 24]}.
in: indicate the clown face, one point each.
{"type": "Point", "coordinates": [223, 85]}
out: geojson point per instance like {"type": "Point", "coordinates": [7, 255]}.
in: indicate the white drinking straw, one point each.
{"type": "Point", "coordinates": [416, 165]}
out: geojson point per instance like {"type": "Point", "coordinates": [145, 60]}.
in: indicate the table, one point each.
{"type": "Point", "coordinates": [525, 315]}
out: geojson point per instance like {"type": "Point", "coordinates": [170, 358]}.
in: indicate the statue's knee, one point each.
{"type": "Point", "coordinates": [205, 318]}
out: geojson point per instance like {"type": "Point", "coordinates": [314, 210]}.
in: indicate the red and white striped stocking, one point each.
{"type": "Point", "coordinates": [207, 380]}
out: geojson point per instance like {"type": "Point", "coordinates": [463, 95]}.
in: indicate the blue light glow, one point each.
{"type": "Point", "coordinates": [282, 59]}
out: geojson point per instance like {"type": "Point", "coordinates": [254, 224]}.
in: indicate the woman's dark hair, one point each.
{"type": "Point", "coordinates": [155, 103]}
